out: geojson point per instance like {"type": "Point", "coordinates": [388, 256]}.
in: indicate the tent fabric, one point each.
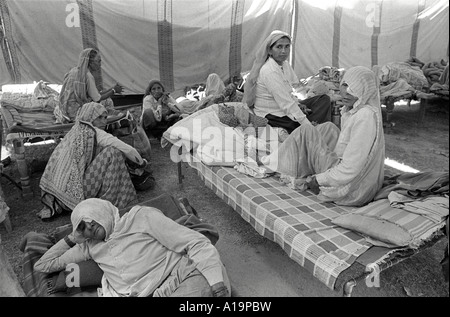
{"type": "Point", "coordinates": [369, 33]}
{"type": "Point", "coordinates": [182, 41]}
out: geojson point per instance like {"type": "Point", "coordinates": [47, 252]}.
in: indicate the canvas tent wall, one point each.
{"type": "Point", "coordinates": [182, 41]}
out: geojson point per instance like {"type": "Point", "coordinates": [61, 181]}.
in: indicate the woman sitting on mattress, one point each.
{"type": "Point", "coordinates": [143, 253]}
{"type": "Point", "coordinates": [269, 88]}
{"type": "Point", "coordinates": [79, 87]}
{"type": "Point", "coordinates": [160, 110]}
{"type": "Point", "coordinates": [90, 162]}
{"type": "Point", "coordinates": [351, 171]}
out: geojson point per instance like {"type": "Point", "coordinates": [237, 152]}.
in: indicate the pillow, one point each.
{"type": "Point", "coordinates": [397, 227]}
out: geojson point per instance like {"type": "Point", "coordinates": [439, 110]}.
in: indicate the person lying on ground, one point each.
{"type": "Point", "coordinates": [143, 253]}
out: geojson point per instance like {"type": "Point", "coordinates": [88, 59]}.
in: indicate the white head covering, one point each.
{"type": "Point", "coordinates": [101, 211]}
{"type": "Point", "coordinates": [261, 56]}
{"type": "Point", "coordinates": [363, 83]}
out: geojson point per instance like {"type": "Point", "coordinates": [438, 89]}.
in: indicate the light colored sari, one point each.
{"type": "Point", "coordinates": [351, 178]}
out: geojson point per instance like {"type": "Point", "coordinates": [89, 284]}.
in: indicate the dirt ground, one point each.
{"type": "Point", "coordinates": [258, 267]}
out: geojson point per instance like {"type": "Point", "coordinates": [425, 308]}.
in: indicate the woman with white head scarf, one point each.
{"type": "Point", "coordinates": [269, 88]}
{"type": "Point", "coordinates": [88, 162]}
{"type": "Point", "coordinates": [144, 253]}
{"type": "Point", "coordinates": [352, 171]}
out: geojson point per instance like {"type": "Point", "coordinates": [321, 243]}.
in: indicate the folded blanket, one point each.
{"type": "Point", "coordinates": [434, 208]}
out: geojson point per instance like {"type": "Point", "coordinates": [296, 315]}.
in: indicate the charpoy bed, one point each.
{"type": "Point", "coordinates": [27, 118]}
{"type": "Point", "coordinates": [304, 227]}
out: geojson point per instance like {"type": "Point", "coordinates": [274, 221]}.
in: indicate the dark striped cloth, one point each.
{"type": "Point", "coordinates": [37, 284]}
{"type": "Point", "coordinates": [33, 246]}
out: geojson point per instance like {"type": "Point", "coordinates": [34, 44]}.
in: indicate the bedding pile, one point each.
{"type": "Point", "coordinates": [31, 109]}
{"type": "Point", "coordinates": [225, 134]}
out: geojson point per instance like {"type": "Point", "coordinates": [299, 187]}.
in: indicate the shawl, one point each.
{"type": "Point", "coordinates": [362, 83]}
{"type": "Point", "coordinates": [64, 173]}
{"type": "Point", "coordinates": [261, 56]}
{"type": "Point", "coordinates": [101, 211]}
{"type": "Point", "coordinates": [90, 111]}
{"type": "Point", "coordinates": [214, 85]}
{"type": "Point", "coordinates": [75, 82]}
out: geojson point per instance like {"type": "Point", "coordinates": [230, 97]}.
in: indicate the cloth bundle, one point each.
{"type": "Point", "coordinates": [413, 75]}
{"type": "Point", "coordinates": [434, 208]}
{"type": "Point", "coordinates": [232, 117]}
{"type": "Point", "coordinates": [329, 73]}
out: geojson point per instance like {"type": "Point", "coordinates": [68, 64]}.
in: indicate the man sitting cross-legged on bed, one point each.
{"type": "Point", "coordinates": [79, 87]}
{"type": "Point", "coordinates": [270, 85]}
{"type": "Point", "coordinates": [143, 253]}
{"type": "Point", "coordinates": [90, 162]}
{"type": "Point", "coordinates": [351, 171]}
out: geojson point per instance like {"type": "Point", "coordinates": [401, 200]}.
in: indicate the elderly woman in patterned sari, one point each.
{"type": "Point", "coordinates": [90, 163]}
{"type": "Point", "coordinates": [348, 171]}
{"type": "Point", "coordinates": [79, 87]}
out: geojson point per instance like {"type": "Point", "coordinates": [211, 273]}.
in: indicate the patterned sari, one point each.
{"type": "Point", "coordinates": [74, 89]}
{"type": "Point", "coordinates": [79, 168]}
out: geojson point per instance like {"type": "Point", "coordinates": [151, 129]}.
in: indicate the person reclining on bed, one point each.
{"type": "Point", "coordinates": [346, 166]}
{"type": "Point", "coordinates": [268, 89]}
{"type": "Point", "coordinates": [79, 87]}
{"type": "Point", "coordinates": [90, 162]}
{"type": "Point", "coordinates": [143, 253]}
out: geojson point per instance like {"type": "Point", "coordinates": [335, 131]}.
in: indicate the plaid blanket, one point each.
{"type": "Point", "coordinates": [297, 221]}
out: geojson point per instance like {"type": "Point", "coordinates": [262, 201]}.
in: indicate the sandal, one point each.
{"type": "Point", "coordinates": [45, 213]}
{"type": "Point", "coordinates": [144, 182]}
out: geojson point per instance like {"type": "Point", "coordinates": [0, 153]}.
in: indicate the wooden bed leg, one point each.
{"type": "Point", "coordinates": [422, 110]}
{"type": "Point", "coordinates": [19, 150]}
{"type": "Point", "coordinates": [179, 166]}
{"type": "Point", "coordinates": [390, 104]}
{"type": "Point", "coordinates": [348, 288]}
{"type": "Point", "coordinates": [7, 223]}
